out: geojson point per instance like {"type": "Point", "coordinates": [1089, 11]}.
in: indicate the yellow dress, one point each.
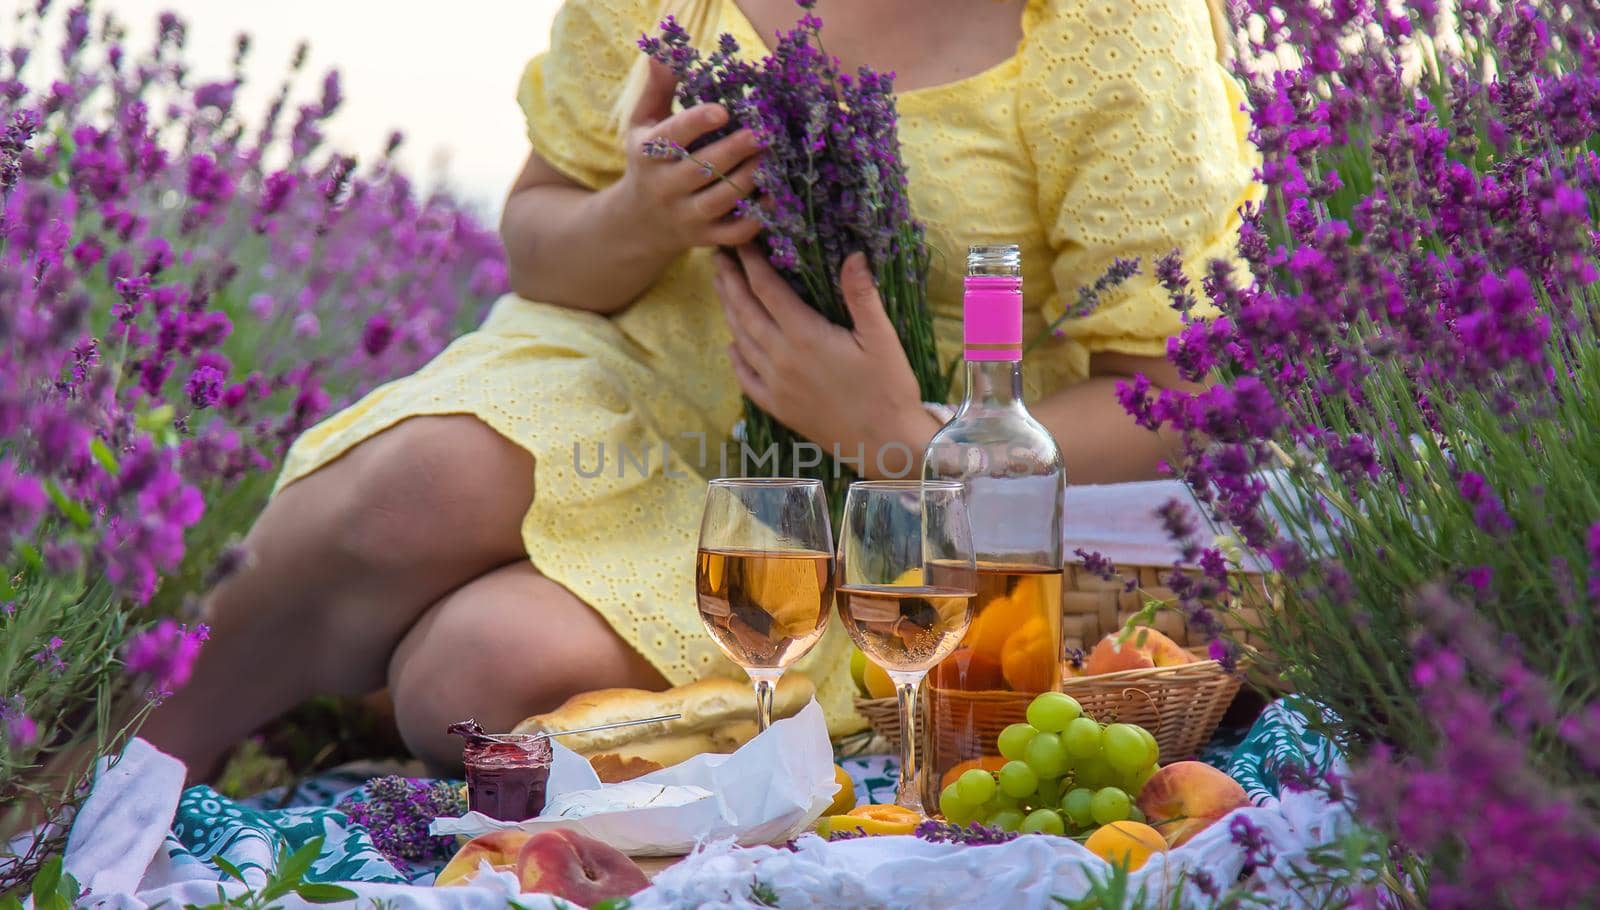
{"type": "Point", "coordinates": [1112, 131]}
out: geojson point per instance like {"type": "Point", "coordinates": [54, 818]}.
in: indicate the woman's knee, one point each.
{"type": "Point", "coordinates": [435, 490]}
{"type": "Point", "coordinates": [505, 646]}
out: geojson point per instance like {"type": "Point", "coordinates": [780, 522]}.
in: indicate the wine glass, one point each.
{"type": "Point", "coordinates": [906, 583]}
{"type": "Point", "coordinates": [764, 575]}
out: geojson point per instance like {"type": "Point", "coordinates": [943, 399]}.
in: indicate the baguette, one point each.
{"type": "Point", "coordinates": [665, 751]}
{"type": "Point", "coordinates": [612, 768]}
{"type": "Point", "coordinates": [712, 708]}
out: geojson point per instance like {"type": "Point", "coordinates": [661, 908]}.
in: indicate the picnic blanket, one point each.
{"type": "Point", "coordinates": [141, 839]}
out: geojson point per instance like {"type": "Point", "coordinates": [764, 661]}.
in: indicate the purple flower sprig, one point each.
{"type": "Point", "coordinates": [1090, 297]}
{"type": "Point", "coordinates": [165, 655]}
{"type": "Point", "coordinates": [973, 834]}
{"type": "Point", "coordinates": [396, 811]}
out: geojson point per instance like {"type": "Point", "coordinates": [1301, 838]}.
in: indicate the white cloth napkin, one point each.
{"type": "Point", "coordinates": [1025, 874]}
{"type": "Point", "coordinates": [1120, 521]}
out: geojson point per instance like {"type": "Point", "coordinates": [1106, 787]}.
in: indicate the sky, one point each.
{"type": "Point", "coordinates": [444, 74]}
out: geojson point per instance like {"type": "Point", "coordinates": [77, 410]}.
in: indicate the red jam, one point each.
{"type": "Point", "coordinates": [505, 780]}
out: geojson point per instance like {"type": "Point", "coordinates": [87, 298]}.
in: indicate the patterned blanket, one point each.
{"type": "Point", "coordinates": [251, 833]}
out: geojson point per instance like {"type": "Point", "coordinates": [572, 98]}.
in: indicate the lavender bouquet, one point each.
{"type": "Point", "coordinates": [831, 182]}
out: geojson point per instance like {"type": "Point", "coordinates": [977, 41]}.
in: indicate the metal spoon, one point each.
{"type": "Point", "coordinates": [518, 738]}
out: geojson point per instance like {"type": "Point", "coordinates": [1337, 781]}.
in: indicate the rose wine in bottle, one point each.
{"type": "Point", "coordinates": [1011, 469]}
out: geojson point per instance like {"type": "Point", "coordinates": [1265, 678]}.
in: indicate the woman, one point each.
{"type": "Point", "coordinates": [448, 536]}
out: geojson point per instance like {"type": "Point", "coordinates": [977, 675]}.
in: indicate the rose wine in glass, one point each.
{"type": "Point", "coordinates": [1010, 467]}
{"type": "Point", "coordinates": [906, 580]}
{"type": "Point", "coordinates": [764, 575]}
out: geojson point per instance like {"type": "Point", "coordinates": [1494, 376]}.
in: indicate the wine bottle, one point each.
{"type": "Point", "coordinates": [1011, 468]}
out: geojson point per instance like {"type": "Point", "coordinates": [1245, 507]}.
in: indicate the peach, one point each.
{"type": "Point", "coordinates": [1163, 650]}
{"type": "Point", "coordinates": [1110, 656]}
{"type": "Point", "coordinates": [1145, 648]}
{"type": "Point", "coordinates": [577, 868]}
{"type": "Point", "coordinates": [1186, 797]}
{"type": "Point", "coordinates": [500, 848]}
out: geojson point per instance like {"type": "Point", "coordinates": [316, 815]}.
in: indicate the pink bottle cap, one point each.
{"type": "Point", "coordinates": [991, 318]}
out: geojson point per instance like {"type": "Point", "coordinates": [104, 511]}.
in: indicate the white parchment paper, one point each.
{"type": "Point", "coordinates": [773, 788]}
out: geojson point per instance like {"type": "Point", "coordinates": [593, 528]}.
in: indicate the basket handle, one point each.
{"type": "Point", "coordinates": [1147, 697]}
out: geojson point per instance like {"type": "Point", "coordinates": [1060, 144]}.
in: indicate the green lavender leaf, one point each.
{"type": "Point", "coordinates": [320, 893]}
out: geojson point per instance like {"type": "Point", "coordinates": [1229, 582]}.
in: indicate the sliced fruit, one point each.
{"type": "Point", "coordinates": [845, 799]}
{"type": "Point", "coordinates": [874, 820]}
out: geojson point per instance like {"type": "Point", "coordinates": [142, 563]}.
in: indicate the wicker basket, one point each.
{"type": "Point", "coordinates": [1092, 608]}
{"type": "Point", "coordinates": [1181, 705]}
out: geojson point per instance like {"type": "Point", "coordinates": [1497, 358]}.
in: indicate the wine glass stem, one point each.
{"type": "Point", "coordinates": [908, 794]}
{"type": "Point", "coordinates": [765, 682]}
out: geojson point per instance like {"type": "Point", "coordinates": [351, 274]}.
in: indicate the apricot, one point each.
{"type": "Point", "coordinates": [858, 671]}
{"type": "Point", "coordinates": [1186, 797]}
{"type": "Point", "coordinates": [577, 868]}
{"type": "Point", "coordinates": [845, 799]}
{"type": "Point", "coordinates": [1126, 843]}
{"type": "Point", "coordinates": [970, 670]}
{"type": "Point", "coordinates": [877, 682]}
{"type": "Point", "coordinates": [991, 763]}
{"type": "Point", "coordinates": [1028, 661]}
{"type": "Point", "coordinates": [996, 622]}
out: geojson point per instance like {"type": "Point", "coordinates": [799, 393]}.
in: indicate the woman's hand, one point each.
{"type": "Point", "coordinates": [677, 204]}
{"type": "Point", "coordinates": [847, 388]}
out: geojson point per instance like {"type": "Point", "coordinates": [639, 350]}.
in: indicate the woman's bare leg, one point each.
{"type": "Point", "coordinates": [343, 562]}
{"type": "Point", "coordinates": [510, 644]}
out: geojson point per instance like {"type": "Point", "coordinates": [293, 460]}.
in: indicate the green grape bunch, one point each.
{"type": "Point", "coordinates": [1065, 774]}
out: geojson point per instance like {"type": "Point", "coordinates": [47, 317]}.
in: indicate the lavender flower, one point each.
{"type": "Point", "coordinates": [22, 501]}
{"type": "Point", "coordinates": [1176, 520]}
{"type": "Point", "coordinates": [49, 656]}
{"type": "Point", "coordinates": [664, 149]}
{"type": "Point", "coordinates": [1487, 509]}
{"type": "Point", "coordinates": [204, 386]}
{"type": "Point", "coordinates": [1096, 564]}
{"type": "Point", "coordinates": [166, 654]}
{"type": "Point", "coordinates": [18, 728]}
{"type": "Point", "coordinates": [397, 811]}
{"type": "Point", "coordinates": [973, 835]}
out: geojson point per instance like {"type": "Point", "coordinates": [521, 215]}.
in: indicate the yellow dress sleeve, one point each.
{"type": "Point", "coordinates": [1138, 140]}
{"type": "Point", "coordinates": [568, 91]}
